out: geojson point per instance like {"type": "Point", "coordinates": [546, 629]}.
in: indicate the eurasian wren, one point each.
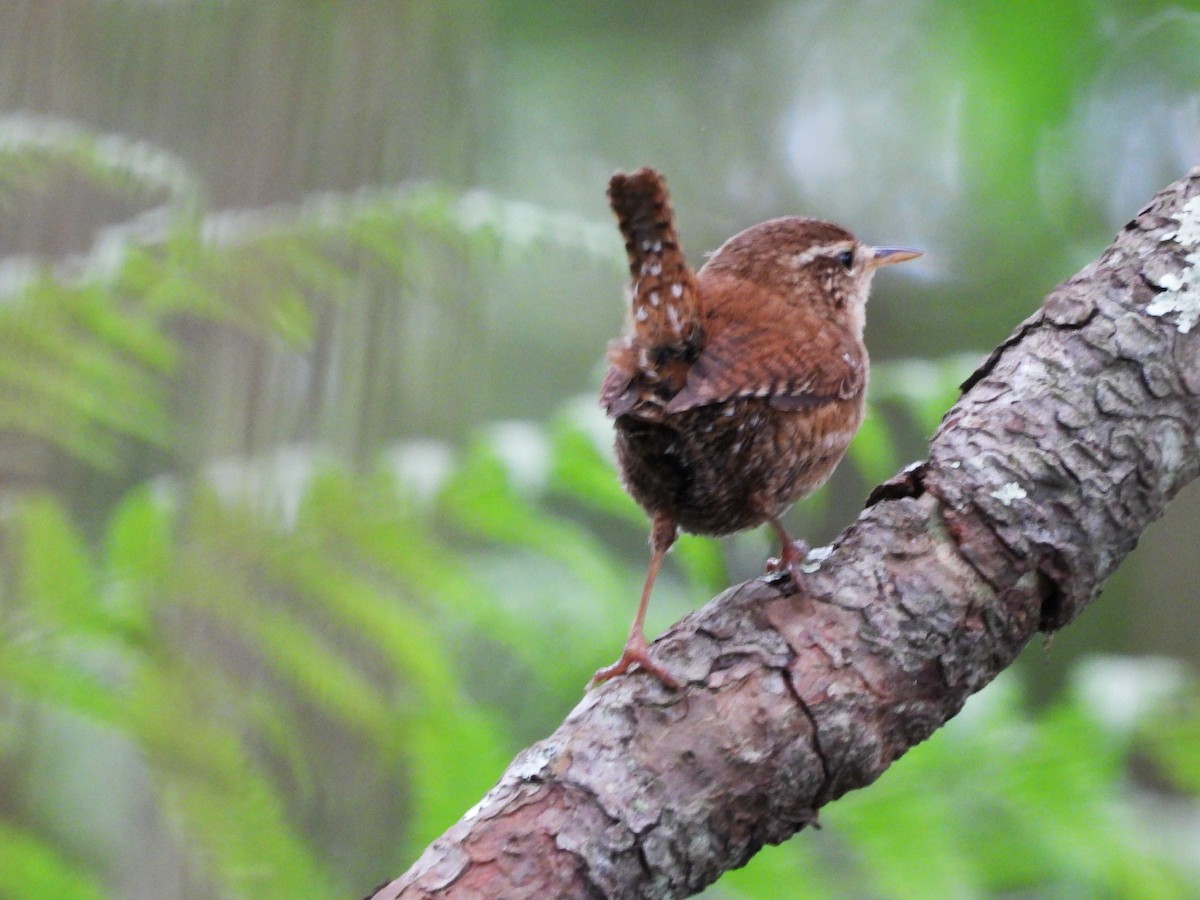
{"type": "Point", "coordinates": [736, 389]}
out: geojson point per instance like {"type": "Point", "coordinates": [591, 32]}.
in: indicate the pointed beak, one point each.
{"type": "Point", "coordinates": [886, 256]}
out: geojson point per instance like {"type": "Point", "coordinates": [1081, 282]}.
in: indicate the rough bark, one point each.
{"type": "Point", "coordinates": [1066, 443]}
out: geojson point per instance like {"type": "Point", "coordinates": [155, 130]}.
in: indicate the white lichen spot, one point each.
{"type": "Point", "coordinates": [816, 556]}
{"type": "Point", "coordinates": [677, 290]}
{"type": "Point", "coordinates": [1172, 448]}
{"type": "Point", "coordinates": [1170, 281]}
{"type": "Point", "coordinates": [654, 299]}
{"type": "Point", "coordinates": [483, 802]}
{"type": "Point", "coordinates": [1181, 292]}
{"type": "Point", "coordinates": [528, 765]}
{"type": "Point", "coordinates": [1188, 232]}
{"type": "Point", "coordinates": [658, 246]}
{"type": "Point", "coordinates": [1010, 493]}
{"type": "Point", "coordinates": [656, 269]}
{"type": "Point", "coordinates": [1181, 295]}
{"type": "Point", "coordinates": [642, 314]}
{"type": "Point", "coordinates": [646, 245]}
{"type": "Point", "coordinates": [533, 761]}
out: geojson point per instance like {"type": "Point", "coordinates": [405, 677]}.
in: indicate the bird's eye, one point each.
{"type": "Point", "coordinates": [846, 258]}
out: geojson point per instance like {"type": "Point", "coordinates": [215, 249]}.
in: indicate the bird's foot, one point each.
{"type": "Point", "coordinates": [790, 557]}
{"type": "Point", "coordinates": [636, 653]}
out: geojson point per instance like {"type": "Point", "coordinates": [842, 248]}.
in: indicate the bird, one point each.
{"type": "Point", "coordinates": [736, 389]}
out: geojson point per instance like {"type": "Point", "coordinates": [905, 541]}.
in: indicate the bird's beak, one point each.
{"type": "Point", "coordinates": [886, 256]}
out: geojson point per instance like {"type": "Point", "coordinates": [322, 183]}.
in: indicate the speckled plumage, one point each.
{"type": "Point", "coordinates": [728, 466]}
{"type": "Point", "coordinates": [736, 390]}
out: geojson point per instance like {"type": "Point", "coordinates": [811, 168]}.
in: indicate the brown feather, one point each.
{"type": "Point", "coordinates": [736, 390]}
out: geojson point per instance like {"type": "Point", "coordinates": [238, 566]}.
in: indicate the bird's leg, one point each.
{"type": "Point", "coordinates": [791, 552]}
{"type": "Point", "coordinates": [637, 652]}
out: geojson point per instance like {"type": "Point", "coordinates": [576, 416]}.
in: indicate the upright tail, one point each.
{"type": "Point", "coordinates": [664, 313]}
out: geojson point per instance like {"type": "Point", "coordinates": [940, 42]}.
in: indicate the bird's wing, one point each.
{"type": "Point", "coordinates": [616, 394]}
{"type": "Point", "coordinates": [794, 368]}
{"type": "Point", "coordinates": [634, 387]}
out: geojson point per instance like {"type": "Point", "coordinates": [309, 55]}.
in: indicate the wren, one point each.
{"type": "Point", "coordinates": [736, 389]}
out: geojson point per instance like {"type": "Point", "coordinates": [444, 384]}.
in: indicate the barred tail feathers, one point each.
{"type": "Point", "coordinates": [664, 312]}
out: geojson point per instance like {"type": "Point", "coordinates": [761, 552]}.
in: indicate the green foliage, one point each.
{"type": "Point", "coordinates": [1001, 801]}
{"type": "Point", "coordinates": [311, 678]}
{"type": "Point", "coordinates": [1169, 738]}
{"type": "Point", "coordinates": [31, 866]}
{"type": "Point", "coordinates": [1005, 804]}
{"type": "Point", "coordinates": [91, 358]}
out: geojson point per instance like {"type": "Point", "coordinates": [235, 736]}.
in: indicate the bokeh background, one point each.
{"type": "Point", "coordinates": [308, 520]}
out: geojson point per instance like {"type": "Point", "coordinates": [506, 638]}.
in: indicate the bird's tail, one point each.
{"type": "Point", "coordinates": [664, 313]}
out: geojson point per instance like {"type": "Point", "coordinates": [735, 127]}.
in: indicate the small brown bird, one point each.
{"type": "Point", "coordinates": [735, 390]}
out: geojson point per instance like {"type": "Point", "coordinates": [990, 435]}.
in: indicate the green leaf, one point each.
{"type": "Point", "coordinates": [210, 785]}
{"type": "Point", "coordinates": [579, 470]}
{"type": "Point", "coordinates": [57, 578]}
{"type": "Point", "coordinates": [139, 553]}
{"type": "Point", "coordinates": [59, 676]}
{"type": "Point", "coordinates": [31, 866]}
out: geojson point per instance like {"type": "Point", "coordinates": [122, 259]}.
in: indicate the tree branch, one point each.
{"type": "Point", "coordinates": [1067, 442]}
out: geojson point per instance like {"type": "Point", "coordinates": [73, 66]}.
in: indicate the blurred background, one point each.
{"type": "Point", "coordinates": [308, 520]}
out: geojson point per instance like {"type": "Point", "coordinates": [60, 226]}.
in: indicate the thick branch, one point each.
{"type": "Point", "coordinates": [1066, 444]}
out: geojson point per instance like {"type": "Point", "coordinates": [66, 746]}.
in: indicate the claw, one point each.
{"type": "Point", "coordinates": [791, 555]}
{"type": "Point", "coordinates": [636, 653]}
